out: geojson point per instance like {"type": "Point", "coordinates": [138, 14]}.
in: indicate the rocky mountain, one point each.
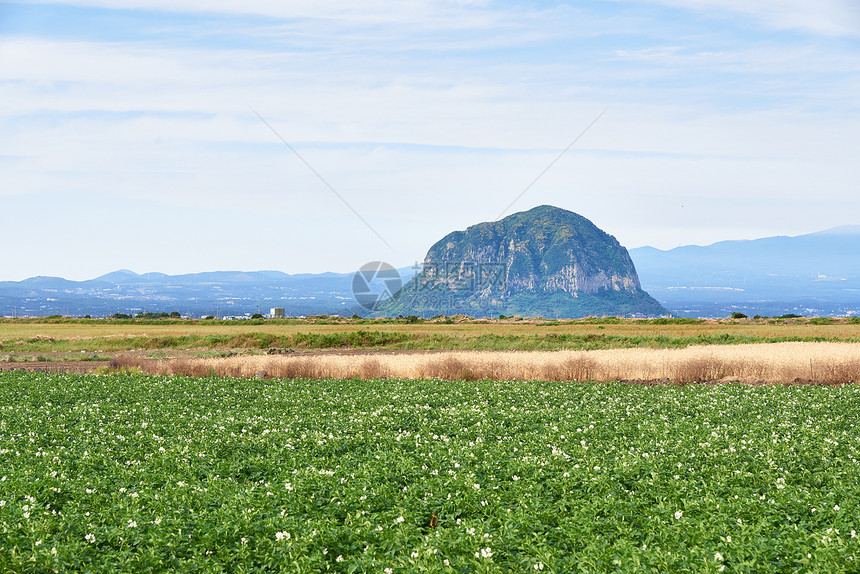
{"type": "Point", "coordinates": [543, 262]}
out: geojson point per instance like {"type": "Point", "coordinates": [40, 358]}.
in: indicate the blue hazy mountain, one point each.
{"type": "Point", "coordinates": [195, 294]}
{"type": "Point", "coordinates": [814, 274]}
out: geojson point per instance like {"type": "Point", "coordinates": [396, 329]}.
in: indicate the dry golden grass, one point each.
{"type": "Point", "coordinates": [771, 363]}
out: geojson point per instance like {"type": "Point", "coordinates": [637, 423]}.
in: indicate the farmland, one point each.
{"type": "Point", "coordinates": [677, 350]}
{"type": "Point", "coordinates": [65, 337]}
{"type": "Point", "coordinates": [111, 473]}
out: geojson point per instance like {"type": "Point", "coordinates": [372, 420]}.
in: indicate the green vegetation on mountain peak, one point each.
{"type": "Point", "coordinates": [543, 262]}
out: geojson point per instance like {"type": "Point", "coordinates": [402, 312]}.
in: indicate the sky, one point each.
{"type": "Point", "coordinates": [317, 135]}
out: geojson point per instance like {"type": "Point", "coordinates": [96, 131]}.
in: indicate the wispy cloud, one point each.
{"type": "Point", "coordinates": [427, 116]}
{"type": "Point", "coordinates": [830, 17]}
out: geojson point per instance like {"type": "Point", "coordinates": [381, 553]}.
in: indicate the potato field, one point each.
{"type": "Point", "coordinates": [109, 473]}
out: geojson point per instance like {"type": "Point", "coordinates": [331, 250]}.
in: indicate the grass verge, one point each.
{"type": "Point", "coordinates": [397, 340]}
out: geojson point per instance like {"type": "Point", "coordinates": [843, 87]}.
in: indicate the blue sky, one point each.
{"type": "Point", "coordinates": [130, 138]}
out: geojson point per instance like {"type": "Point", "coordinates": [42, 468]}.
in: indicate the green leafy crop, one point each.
{"type": "Point", "coordinates": [121, 473]}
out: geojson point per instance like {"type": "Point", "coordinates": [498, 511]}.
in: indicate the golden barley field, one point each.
{"type": "Point", "coordinates": [759, 363]}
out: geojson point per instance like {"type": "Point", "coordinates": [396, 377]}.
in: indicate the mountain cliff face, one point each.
{"type": "Point", "coordinates": [546, 261]}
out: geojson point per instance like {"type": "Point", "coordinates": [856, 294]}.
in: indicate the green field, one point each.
{"type": "Point", "coordinates": [142, 474]}
{"type": "Point", "coordinates": [67, 338]}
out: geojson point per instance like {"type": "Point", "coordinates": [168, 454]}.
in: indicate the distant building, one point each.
{"type": "Point", "coordinates": [277, 312]}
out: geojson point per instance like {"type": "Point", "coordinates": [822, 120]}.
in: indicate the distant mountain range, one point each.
{"type": "Point", "coordinates": [815, 274]}
{"type": "Point", "coordinates": [217, 293]}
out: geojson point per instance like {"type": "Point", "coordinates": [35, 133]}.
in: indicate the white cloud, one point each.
{"type": "Point", "coordinates": [412, 14]}
{"type": "Point", "coordinates": [830, 17]}
{"type": "Point", "coordinates": [708, 137]}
